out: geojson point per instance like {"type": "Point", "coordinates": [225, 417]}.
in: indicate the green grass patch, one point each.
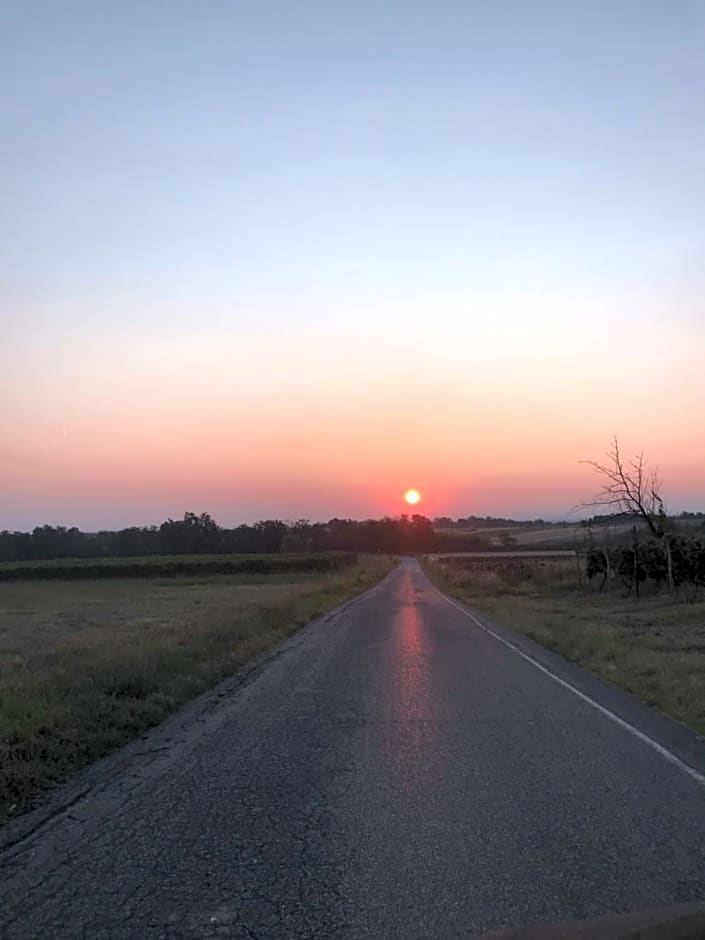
{"type": "Point", "coordinates": [653, 646]}
{"type": "Point", "coordinates": [87, 665]}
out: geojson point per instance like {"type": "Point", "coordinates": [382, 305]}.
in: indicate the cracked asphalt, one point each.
{"type": "Point", "coordinates": [392, 771]}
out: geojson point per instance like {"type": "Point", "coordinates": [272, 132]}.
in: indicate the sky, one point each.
{"type": "Point", "coordinates": [288, 259]}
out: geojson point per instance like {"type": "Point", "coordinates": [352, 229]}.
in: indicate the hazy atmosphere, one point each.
{"type": "Point", "coordinates": [352, 475]}
{"type": "Point", "coordinates": [277, 259]}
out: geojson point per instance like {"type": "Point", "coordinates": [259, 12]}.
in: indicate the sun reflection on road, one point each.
{"type": "Point", "coordinates": [414, 701]}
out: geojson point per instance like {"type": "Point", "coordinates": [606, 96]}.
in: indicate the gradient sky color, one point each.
{"type": "Point", "coordinates": [291, 259]}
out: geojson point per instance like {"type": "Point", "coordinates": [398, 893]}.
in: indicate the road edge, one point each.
{"type": "Point", "coordinates": [676, 742]}
{"type": "Point", "coordinates": [155, 745]}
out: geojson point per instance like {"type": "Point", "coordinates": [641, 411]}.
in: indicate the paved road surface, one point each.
{"type": "Point", "coordinates": [394, 772]}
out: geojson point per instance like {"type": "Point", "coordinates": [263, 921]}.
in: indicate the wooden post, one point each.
{"type": "Point", "coordinates": [669, 560]}
{"type": "Point", "coordinates": [635, 572]}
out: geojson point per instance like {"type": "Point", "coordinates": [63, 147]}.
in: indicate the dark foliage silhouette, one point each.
{"type": "Point", "coordinates": [200, 534]}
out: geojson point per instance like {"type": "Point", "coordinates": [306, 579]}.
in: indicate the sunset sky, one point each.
{"type": "Point", "coordinates": [290, 259]}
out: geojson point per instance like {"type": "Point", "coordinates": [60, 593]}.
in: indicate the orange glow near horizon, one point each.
{"type": "Point", "coordinates": [134, 446]}
{"type": "Point", "coordinates": [295, 305]}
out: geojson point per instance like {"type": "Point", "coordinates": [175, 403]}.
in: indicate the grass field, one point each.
{"type": "Point", "coordinates": [87, 665]}
{"type": "Point", "coordinates": [653, 647]}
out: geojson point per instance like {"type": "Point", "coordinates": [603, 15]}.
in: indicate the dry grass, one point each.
{"type": "Point", "coordinates": [653, 647]}
{"type": "Point", "coordinates": [86, 665]}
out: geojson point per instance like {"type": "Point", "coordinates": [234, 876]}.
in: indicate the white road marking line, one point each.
{"type": "Point", "coordinates": [664, 752]}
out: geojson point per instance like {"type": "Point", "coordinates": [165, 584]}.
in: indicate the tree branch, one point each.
{"type": "Point", "coordinates": [627, 488]}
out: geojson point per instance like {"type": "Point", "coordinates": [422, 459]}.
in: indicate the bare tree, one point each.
{"type": "Point", "coordinates": [629, 489]}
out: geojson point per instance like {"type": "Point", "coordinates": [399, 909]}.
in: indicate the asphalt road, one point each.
{"type": "Point", "coordinates": [394, 771]}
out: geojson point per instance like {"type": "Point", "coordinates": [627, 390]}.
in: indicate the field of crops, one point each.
{"type": "Point", "coordinates": [165, 566]}
{"type": "Point", "coordinates": [529, 537]}
{"type": "Point", "coordinates": [559, 535]}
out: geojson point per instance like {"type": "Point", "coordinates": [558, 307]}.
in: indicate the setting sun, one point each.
{"type": "Point", "coordinates": [412, 497]}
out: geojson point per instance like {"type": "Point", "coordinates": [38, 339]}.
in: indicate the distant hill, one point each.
{"type": "Point", "coordinates": [540, 534]}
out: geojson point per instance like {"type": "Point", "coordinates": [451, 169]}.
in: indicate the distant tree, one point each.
{"type": "Point", "coordinates": [298, 537]}
{"type": "Point", "coordinates": [190, 535]}
{"type": "Point", "coordinates": [269, 534]}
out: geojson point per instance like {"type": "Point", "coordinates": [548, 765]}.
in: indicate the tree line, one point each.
{"type": "Point", "coordinates": [200, 533]}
